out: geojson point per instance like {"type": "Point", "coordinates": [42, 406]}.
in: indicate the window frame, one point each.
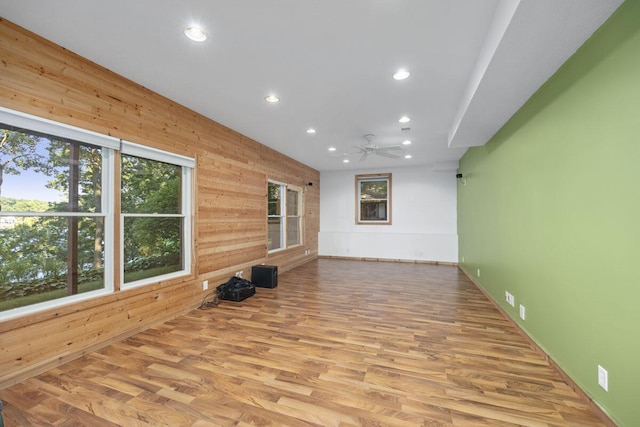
{"type": "Point", "coordinates": [361, 178]}
{"type": "Point", "coordinates": [281, 215]}
{"type": "Point", "coordinates": [187, 165]}
{"type": "Point", "coordinates": [284, 217]}
{"type": "Point", "coordinates": [111, 149]}
{"type": "Point", "coordinates": [298, 215]}
{"type": "Point", "coordinates": [108, 146]}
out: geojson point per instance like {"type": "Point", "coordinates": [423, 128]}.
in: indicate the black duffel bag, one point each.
{"type": "Point", "coordinates": [236, 289]}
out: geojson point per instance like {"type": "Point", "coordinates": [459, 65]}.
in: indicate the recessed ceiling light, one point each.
{"type": "Point", "coordinates": [401, 74]}
{"type": "Point", "coordinates": [332, 148]}
{"type": "Point", "coordinates": [195, 33]}
{"type": "Point", "coordinates": [406, 142]}
{"type": "Point", "coordinates": [408, 156]}
{"type": "Point", "coordinates": [345, 161]}
{"type": "Point", "coordinates": [404, 119]}
{"type": "Point", "coordinates": [311, 131]}
{"type": "Point", "coordinates": [272, 99]}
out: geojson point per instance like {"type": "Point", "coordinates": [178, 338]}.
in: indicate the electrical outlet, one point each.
{"type": "Point", "coordinates": [522, 312]}
{"type": "Point", "coordinates": [239, 273]}
{"type": "Point", "coordinates": [511, 300]}
{"type": "Point", "coordinates": [462, 258]}
{"type": "Point", "coordinates": [478, 272]}
{"type": "Point", "coordinates": [603, 378]}
{"type": "Point", "coordinates": [205, 285]}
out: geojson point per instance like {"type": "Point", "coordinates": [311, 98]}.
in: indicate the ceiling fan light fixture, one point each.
{"type": "Point", "coordinates": [195, 33]}
{"type": "Point", "coordinates": [406, 142]}
{"type": "Point", "coordinates": [272, 99]}
{"type": "Point", "coordinates": [401, 74]}
{"type": "Point", "coordinates": [404, 119]}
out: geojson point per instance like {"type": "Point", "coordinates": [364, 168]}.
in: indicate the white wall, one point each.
{"type": "Point", "coordinates": [423, 215]}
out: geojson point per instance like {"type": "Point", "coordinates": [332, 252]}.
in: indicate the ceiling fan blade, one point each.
{"type": "Point", "coordinates": [390, 147]}
{"type": "Point", "coordinates": [389, 155]}
{"type": "Point", "coordinates": [345, 154]}
{"type": "Point", "coordinates": [364, 156]}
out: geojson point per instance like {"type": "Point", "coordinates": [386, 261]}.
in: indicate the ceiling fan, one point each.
{"type": "Point", "coordinates": [380, 150]}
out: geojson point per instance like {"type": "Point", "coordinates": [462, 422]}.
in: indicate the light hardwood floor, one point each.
{"type": "Point", "coordinates": [337, 343]}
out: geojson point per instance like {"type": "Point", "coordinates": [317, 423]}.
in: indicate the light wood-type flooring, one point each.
{"type": "Point", "coordinates": [337, 343]}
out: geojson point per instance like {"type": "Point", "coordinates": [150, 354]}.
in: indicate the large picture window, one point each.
{"type": "Point", "coordinates": [284, 216]}
{"type": "Point", "coordinates": [373, 199]}
{"type": "Point", "coordinates": [55, 184]}
{"type": "Point", "coordinates": [57, 199]}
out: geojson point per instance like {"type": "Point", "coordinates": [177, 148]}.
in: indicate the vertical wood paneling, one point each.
{"type": "Point", "coordinates": [43, 79]}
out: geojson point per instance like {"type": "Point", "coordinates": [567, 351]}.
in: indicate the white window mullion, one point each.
{"type": "Point", "coordinates": [108, 202]}
{"type": "Point", "coordinates": [283, 216]}
{"type": "Point", "coordinates": [148, 276]}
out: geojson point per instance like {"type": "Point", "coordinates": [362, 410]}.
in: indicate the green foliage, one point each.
{"type": "Point", "coordinates": [18, 153]}
{"type": "Point", "coordinates": [373, 189]}
{"type": "Point", "coordinates": [34, 250]}
{"type": "Point", "coordinates": [151, 187]}
{"type": "Point", "coordinates": [22, 205]}
{"type": "Point", "coordinates": [273, 195]}
{"type": "Point", "coordinates": [25, 288]}
{"type": "Point", "coordinates": [54, 292]}
{"type": "Point", "coordinates": [89, 185]}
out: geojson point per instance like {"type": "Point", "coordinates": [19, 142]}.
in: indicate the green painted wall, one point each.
{"type": "Point", "coordinates": [551, 213]}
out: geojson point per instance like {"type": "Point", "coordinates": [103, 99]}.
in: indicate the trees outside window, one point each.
{"type": "Point", "coordinates": [52, 223]}
{"type": "Point", "coordinates": [294, 218]}
{"type": "Point", "coordinates": [57, 214]}
{"type": "Point", "coordinates": [155, 205]}
{"type": "Point", "coordinates": [153, 218]}
{"type": "Point", "coordinates": [373, 199]}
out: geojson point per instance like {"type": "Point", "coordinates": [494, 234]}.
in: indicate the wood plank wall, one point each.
{"type": "Point", "coordinates": [43, 79]}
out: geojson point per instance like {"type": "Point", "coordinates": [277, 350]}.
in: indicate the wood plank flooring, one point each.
{"type": "Point", "coordinates": [337, 343]}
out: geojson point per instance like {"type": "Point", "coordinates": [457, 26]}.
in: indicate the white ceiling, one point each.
{"type": "Point", "coordinates": [473, 63]}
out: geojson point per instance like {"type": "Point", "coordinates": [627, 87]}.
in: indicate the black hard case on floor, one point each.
{"type": "Point", "coordinates": [264, 276]}
{"type": "Point", "coordinates": [239, 295]}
